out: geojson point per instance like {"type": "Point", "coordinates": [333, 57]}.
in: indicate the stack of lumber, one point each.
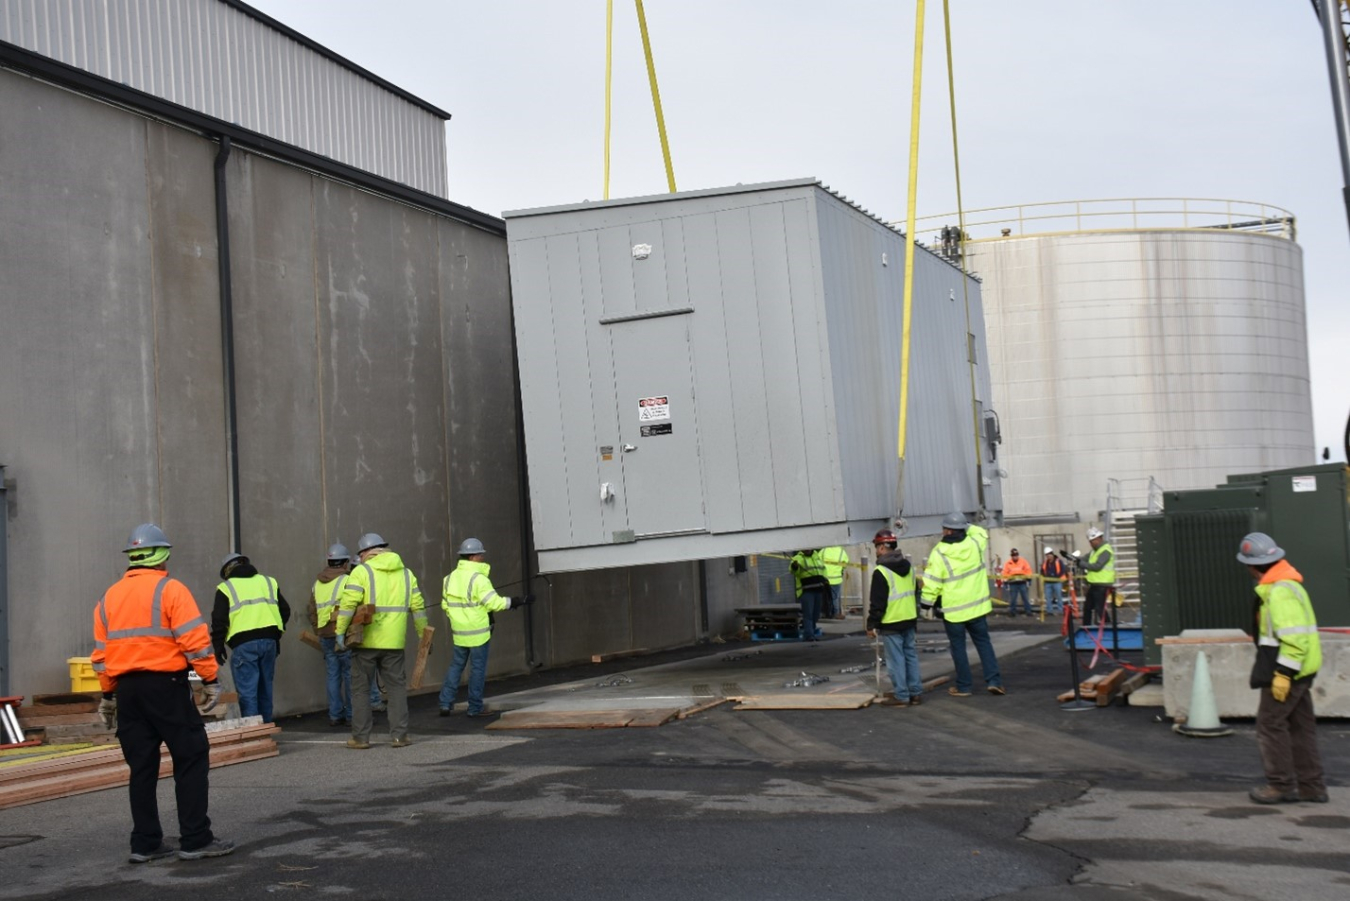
{"type": "Point", "coordinates": [1101, 688]}
{"type": "Point", "coordinates": [60, 776]}
{"type": "Point", "coordinates": [65, 718]}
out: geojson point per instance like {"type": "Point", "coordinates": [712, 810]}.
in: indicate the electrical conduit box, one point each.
{"type": "Point", "coordinates": [715, 373]}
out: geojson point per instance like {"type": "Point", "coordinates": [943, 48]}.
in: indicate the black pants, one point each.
{"type": "Point", "coordinates": [155, 708]}
{"type": "Point", "coordinates": [1286, 733]}
{"type": "Point", "coordinates": [1094, 605]}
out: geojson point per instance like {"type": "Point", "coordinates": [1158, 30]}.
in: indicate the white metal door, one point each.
{"type": "Point", "coordinates": [658, 434]}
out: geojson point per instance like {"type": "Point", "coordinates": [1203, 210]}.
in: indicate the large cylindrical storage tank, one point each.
{"type": "Point", "coordinates": [1148, 339]}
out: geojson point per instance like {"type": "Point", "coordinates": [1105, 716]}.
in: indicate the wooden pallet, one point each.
{"type": "Point", "coordinates": [95, 770]}
{"type": "Point", "coordinates": [806, 701]}
{"type": "Point", "coordinates": [1101, 688]}
{"type": "Point", "coordinates": [584, 719]}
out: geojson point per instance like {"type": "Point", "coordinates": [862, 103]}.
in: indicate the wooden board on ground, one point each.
{"type": "Point", "coordinates": [657, 717]}
{"type": "Point", "coordinates": [619, 655]}
{"type": "Point", "coordinates": [564, 719]}
{"type": "Point", "coordinates": [803, 701]}
{"type": "Point", "coordinates": [702, 706]}
{"type": "Point", "coordinates": [309, 638]}
{"type": "Point", "coordinates": [1134, 683]}
{"type": "Point", "coordinates": [423, 649]}
{"type": "Point", "coordinates": [933, 683]}
{"type": "Point", "coordinates": [1107, 688]}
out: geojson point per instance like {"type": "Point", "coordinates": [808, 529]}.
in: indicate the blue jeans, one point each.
{"type": "Point", "coordinates": [979, 633]}
{"type": "Point", "coordinates": [252, 664]}
{"type": "Point", "coordinates": [1054, 597]}
{"type": "Point", "coordinates": [832, 605]}
{"type": "Point", "coordinates": [812, 600]}
{"type": "Point", "coordinates": [339, 668]}
{"type": "Point", "coordinates": [1016, 590]}
{"type": "Point", "coordinates": [902, 662]}
{"type": "Point", "coordinates": [476, 658]}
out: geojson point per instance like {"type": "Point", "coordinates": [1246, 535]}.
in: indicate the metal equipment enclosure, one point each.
{"type": "Point", "coordinates": [1189, 577]}
{"type": "Point", "coordinates": [718, 372]}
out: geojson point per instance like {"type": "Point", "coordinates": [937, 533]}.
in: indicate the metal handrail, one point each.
{"type": "Point", "coordinates": [1117, 214]}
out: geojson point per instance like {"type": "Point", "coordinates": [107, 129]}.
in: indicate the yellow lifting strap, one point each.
{"type": "Point", "coordinates": [909, 255]}
{"type": "Point", "coordinates": [651, 77]}
{"type": "Point", "coordinates": [656, 95]}
{"type": "Point", "coordinates": [965, 282]}
{"type": "Point", "coordinates": [609, 71]}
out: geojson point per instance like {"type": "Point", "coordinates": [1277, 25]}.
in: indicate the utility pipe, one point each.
{"type": "Point", "coordinates": [227, 342]}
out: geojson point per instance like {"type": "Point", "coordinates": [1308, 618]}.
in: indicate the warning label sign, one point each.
{"type": "Point", "coordinates": [650, 431]}
{"type": "Point", "coordinates": [653, 409]}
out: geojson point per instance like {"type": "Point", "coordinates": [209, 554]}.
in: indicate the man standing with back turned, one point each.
{"type": "Point", "coordinates": [1288, 655]}
{"type": "Point", "coordinates": [469, 600]}
{"type": "Point", "coordinates": [955, 576]}
{"type": "Point", "coordinates": [147, 632]}
{"type": "Point", "coordinates": [385, 591]}
{"type": "Point", "coordinates": [249, 616]}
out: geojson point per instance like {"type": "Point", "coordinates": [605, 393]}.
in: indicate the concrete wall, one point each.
{"type": "Point", "coordinates": [374, 382]}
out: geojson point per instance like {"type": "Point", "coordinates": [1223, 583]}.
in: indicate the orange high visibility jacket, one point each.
{"type": "Point", "coordinates": [1018, 570]}
{"type": "Point", "coordinates": [149, 622]}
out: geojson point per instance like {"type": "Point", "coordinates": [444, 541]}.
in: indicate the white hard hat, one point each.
{"type": "Point", "coordinates": [1094, 533]}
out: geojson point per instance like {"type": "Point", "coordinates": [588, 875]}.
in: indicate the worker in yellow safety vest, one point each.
{"type": "Point", "coordinates": [248, 618]}
{"type": "Point", "coordinates": [469, 600]}
{"type": "Point", "coordinates": [892, 613]}
{"type": "Point", "coordinates": [835, 558]}
{"type": "Point", "coordinates": [813, 587]}
{"type": "Point", "coordinates": [382, 591]}
{"type": "Point", "coordinates": [323, 606]}
{"type": "Point", "coordinates": [955, 579]}
{"type": "Point", "coordinates": [1288, 656]}
{"type": "Point", "coordinates": [1100, 573]}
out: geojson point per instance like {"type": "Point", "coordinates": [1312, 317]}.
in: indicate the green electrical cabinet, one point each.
{"type": "Point", "coordinates": [1189, 577]}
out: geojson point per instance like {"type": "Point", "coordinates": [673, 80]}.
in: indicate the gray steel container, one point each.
{"type": "Point", "coordinates": [717, 372]}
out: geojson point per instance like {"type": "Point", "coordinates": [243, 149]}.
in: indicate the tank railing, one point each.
{"type": "Point", "coordinates": [1116, 214]}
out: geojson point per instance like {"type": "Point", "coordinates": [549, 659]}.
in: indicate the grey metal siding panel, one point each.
{"type": "Point", "coordinates": [712, 374]}
{"type": "Point", "coordinates": [216, 60]}
{"type": "Point", "coordinates": [540, 389]}
{"type": "Point", "coordinates": [791, 426]}
{"type": "Point", "coordinates": [603, 394]}
{"type": "Point", "coordinates": [750, 402]}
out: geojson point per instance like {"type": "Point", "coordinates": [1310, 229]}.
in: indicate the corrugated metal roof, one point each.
{"type": "Point", "coordinates": [227, 60]}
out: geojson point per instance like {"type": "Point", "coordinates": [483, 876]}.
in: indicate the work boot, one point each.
{"type": "Point", "coordinates": [997, 690]}
{"type": "Point", "coordinates": [915, 700]}
{"type": "Point", "coordinates": [402, 742]}
{"type": "Point", "coordinates": [892, 701]}
{"type": "Point", "coordinates": [159, 853]}
{"type": "Point", "coordinates": [445, 711]}
{"type": "Point", "coordinates": [356, 745]}
{"type": "Point", "coordinates": [219, 847]}
{"type": "Point", "coordinates": [486, 711]}
{"type": "Point", "coordinates": [1269, 794]}
{"type": "Point", "coordinates": [1313, 797]}
{"type": "Point", "coordinates": [957, 693]}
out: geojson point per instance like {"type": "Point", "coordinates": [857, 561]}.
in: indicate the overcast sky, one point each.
{"type": "Point", "coordinates": [1057, 100]}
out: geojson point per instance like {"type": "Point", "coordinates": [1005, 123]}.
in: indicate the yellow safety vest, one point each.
{"type": "Point", "coordinates": [1106, 575]}
{"type": "Point", "coordinates": [901, 604]}
{"type": "Point", "coordinates": [384, 582]}
{"type": "Point", "coordinates": [253, 604]}
{"type": "Point", "coordinates": [333, 591]}
{"type": "Point", "coordinates": [467, 599]}
{"type": "Point", "coordinates": [834, 559]}
{"type": "Point", "coordinates": [956, 574]}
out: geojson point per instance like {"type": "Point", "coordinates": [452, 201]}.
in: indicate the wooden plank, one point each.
{"type": "Point", "coordinates": [26, 718]}
{"type": "Point", "coordinates": [43, 709]}
{"type": "Point", "coordinates": [933, 683]}
{"type": "Point", "coordinates": [564, 719]}
{"type": "Point", "coordinates": [1176, 639]}
{"type": "Point", "coordinates": [309, 638]}
{"type": "Point", "coordinates": [1107, 687]}
{"type": "Point", "coordinates": [699, 708]}
{"type": "Point", "coordinates": [1135, 682]}
{"type": "Point", "coordinates": [619, 655]}
{"type": "Point", "coordinates": [1068, 695]}
{"type": "Point", "coordinates": [802, 701]}
{"type": "Point", "coordinates": [646, 719]}
{"type": "Point", "coordinates": [423, 649]}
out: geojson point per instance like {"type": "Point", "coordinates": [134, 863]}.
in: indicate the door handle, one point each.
{"type": "Point", "coordinates": [629, 448]}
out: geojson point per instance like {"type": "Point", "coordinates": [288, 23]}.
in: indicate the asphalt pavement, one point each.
{"type": "Point", "coordinates": [960, 798]}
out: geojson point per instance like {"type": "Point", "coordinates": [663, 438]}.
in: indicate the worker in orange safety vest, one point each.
{"type": "Point", "coordinates": [1016, 580]}
{"type": "Point", "coordinates": [147, 632]}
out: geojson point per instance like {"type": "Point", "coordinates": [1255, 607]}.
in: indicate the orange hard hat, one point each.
{"type": "Point", "coordinates": [885, 536]}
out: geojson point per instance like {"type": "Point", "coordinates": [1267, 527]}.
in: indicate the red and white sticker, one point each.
{"type": "Point", "coordinates": [652, 409]}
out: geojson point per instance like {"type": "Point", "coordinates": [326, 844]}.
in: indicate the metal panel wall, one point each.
{"type": "Point", "coordinates": [863, 265]}
{"type": "Point", "coordinates": [214, 58]}
{"type": "Point", "coordinates": [1179, 355]}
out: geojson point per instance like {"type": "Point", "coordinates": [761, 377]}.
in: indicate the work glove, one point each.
{"type": "Point", "coordinates": [341, 643]}
{"type": "Point", "coordinates": [221, 654]}
{"type": "Point", "coordinates": [1279, 688]}
{"type": "Point", "coordinates": [107, 711]}
{"type": "Point", "coordinates": [927, 613]}
{"type": "Point", "coordinates": [522, 602]}
{"type": "Point", "coordinates": [210, 696]}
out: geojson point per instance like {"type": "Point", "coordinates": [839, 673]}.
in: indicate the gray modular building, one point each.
{"type": "Point", "coordinates": [718, 372]}
{"type": "Point", "coordinates": [256, 344]}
